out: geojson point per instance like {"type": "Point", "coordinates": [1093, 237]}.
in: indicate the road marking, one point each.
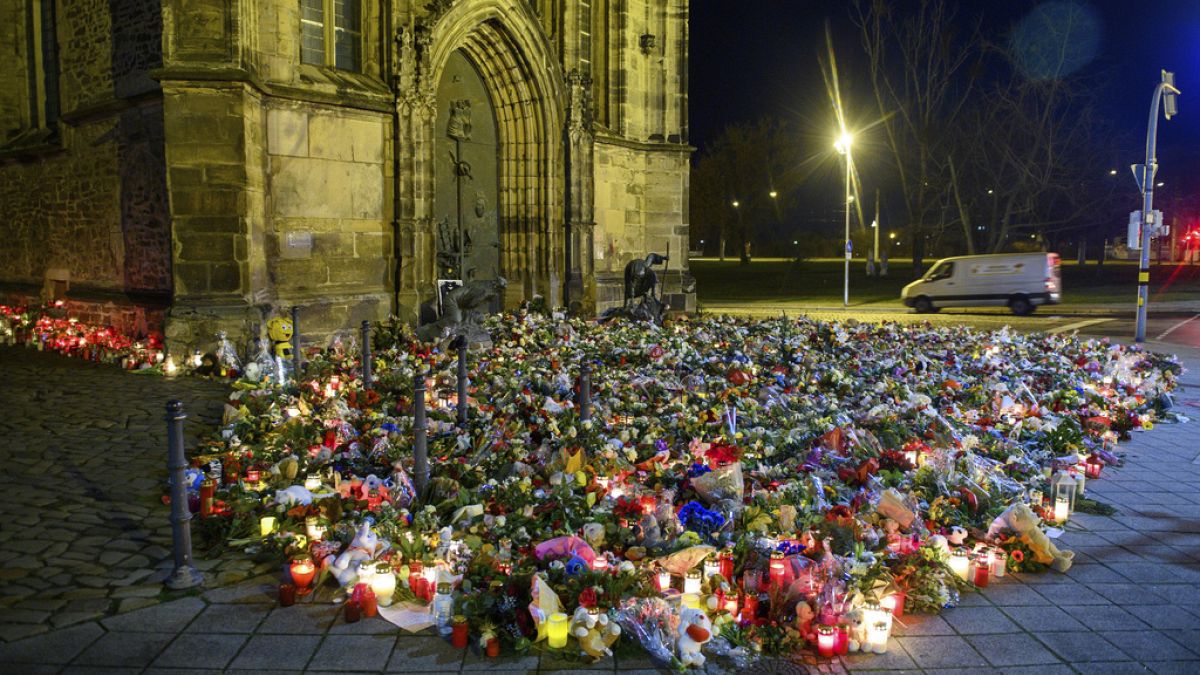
{"type": "Point", "coordinates": [1172, 328]}
{"type": "Point", "coordinates": [1077, 325]}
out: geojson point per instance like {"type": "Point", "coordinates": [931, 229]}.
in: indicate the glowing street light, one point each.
{"type": "Point", "coordinates": [1112, 172]}
{"type": "Point", "coordinates": [736, 203]}
{"type": "Point", "coordinates": [773, 194]}
{"type": "Point", "coordinates": [842, 145]}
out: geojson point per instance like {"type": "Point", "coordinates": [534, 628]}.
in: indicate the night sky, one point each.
{"type": "Point", "coordinates": [751, 58]}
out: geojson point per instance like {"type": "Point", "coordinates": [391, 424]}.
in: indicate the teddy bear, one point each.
{"type": "Point", "coordinates": [1019, 519]}
{"type": "Point", "coordinates": [365, 546]}
{"type": "Point", "coordinates": [279, 330]}
{"type": "Point", "coordinates": [695, 629]}
{"type": "Point", "coordinates": [595, 633]}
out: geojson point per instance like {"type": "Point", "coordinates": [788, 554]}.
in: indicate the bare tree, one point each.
{"type": "Point", "coordinates": [746, 179]}
{"type": "Point", "coordinates": [924, 68]}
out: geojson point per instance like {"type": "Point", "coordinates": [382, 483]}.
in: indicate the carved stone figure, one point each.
{"type": "Point", "coordinates": [462, 312]}
{"type": "Point", "coordinates": [459, 127]}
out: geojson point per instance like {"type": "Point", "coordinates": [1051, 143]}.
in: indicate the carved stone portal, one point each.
{"type": "Point", "coordinates": [460, 120]}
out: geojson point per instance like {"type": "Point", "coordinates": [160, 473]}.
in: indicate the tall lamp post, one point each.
{"type": "Point", "coordinates": [842, 145]}
{"type": "Point", "coordinates": [1164, 92]}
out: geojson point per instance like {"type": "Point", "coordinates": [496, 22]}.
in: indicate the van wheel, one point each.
{"type": "Point", "coordinates": [923, 305]}
{"type": "Point", "coordinates": [1020, 305]}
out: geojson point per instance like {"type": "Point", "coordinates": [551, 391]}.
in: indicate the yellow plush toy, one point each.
{"type": "Point", "coordinates": [279, 330]}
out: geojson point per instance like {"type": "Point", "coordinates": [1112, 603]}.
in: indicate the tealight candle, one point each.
{"type": "Point", "coordinates": [999, 563]}
{"type": "Point", "coordinates": [302, 570]}
{"type": "Point", "coordinates": [691, 582]}
{"type": "Point", "coordinates": [894, 603]}
{"type": "Point", "coordinates": [266, 525]}
{"type": "Point", "coordinates": [826, 640]}
{"type": "Point", "coordinates": [314, 528]}
{"type": "Point", "coordinates": [312, 483]}
{"type": "Point", "coordinates": [877, 636]}
{"type": "Point", "coordinates": [959, 563]}
{"type": "Point", "coordinates": [384, 584]}
{"type": "Point", "coordinates": [600, 564]}
{"type": "Point", "coordinates": [777, 569]}
{"type": "Point", "coordinates": [556, 630]}
{"type": "Point", "coordinates": [1062, 509]}
{"type": "Point", "coordinates": [725, 564]}
{"type": "Point", "coordinates": [253, 476]}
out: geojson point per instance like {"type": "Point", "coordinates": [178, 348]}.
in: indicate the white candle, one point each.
{"type": "Point", "coordinates": [960, 563]}
{"type": "Point", "coordinates": [1062, 509]}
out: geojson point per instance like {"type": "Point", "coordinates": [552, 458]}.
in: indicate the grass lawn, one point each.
{"type": "Point", "coordinates": [819, 282]}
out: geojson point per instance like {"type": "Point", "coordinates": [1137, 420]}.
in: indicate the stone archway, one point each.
{"type": "Point", "coordinates": [505, 45]}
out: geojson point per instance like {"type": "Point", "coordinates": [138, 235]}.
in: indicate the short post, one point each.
{"type": "Point", "coordinates": [460, 343]}
{"type": "Point", "coordinates": [420, 447]}
{"type": "Point", "coordinates": [296, 343]}
{"type": "Point", "coordinates": [366, 354]}
{"type": "Point", "coordinates": [185, 574]}
{"type": "Point", "coordinates": [585, 392]}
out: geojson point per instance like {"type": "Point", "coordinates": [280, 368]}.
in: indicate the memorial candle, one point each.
{"type": "Point", "coordinates": [959, 562]}
{"type": "Point", "coordinates": [691, 582]}
{"type": "Point", "coordinates": [556, 630]}
{"type": "Point", "coordinates": [777, 569]}
{"type": "Point", "coordinates": [826, 640]}
{"type": "Point", "coordinates": [725, 564]}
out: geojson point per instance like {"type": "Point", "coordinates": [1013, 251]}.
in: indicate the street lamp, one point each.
{"type": "Point", "coordinates": [773, 194]}
{"type": "Point", "coordinates": [842, 145]}
{"type": "Point", "coordinates": [1164, 93]}
{"type": "Point", "coordinates": [736, 203]}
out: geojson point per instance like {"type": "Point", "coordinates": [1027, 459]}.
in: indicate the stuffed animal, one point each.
{"type": "Point", "coordinates": [1020, 520]}
{"type": "Point", "coordinates": [695, 629]}
{"type": "Point", "coordinates": [365, 546]}
{"type": "Point", "coordinates": [279, 330]}
{"type": "Point", "coordinates": [595, 633]}
{"type": "Point", "coordinates": [957, 536]}
{"type": "Point", "coordinates": [804, 618]}
{"type": "Point", "coordinates": [296, 495]}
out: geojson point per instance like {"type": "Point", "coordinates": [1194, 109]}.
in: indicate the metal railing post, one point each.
{"type": "Point", "coordinates": [366, 354]}
{"type": "Point", "coordinates": [585, 392]}
{"type": "Point", "coordinates": [463, 408]}
{"type": "Point", "coordinates": [296, 343]}
{"type": "Point", "coordinates": [185, 574]}
{"type": "Point", "coordinates": [420, 447]}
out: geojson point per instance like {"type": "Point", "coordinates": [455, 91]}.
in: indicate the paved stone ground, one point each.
{"type": "Point", "coordinates": [1130, 604]}
{"type": "Point", "coordinates": [84, 530]}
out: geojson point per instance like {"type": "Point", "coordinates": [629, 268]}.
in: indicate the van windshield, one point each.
{"type": "Point", "coordinates": [942, 270]}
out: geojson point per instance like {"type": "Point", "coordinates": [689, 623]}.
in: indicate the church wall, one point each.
{"type": "Point", "coordinates": [83, 199]}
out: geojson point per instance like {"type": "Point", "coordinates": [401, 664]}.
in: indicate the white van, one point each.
{"type": "Point", "coordinates": [1020, 281]}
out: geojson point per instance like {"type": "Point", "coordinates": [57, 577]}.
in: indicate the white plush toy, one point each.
{"type": "Point", "coordinates": [1022, 521]}
{"type": "Point", "coordinates": [695, 629]}
{"type": "Point", "coordinates": [365, 546]}
{"type": "Point", "coordinates": [296, 495]}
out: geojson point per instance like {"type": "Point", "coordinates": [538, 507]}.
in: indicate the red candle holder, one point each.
{"type": "Point", "coordinates": [287, 595]}
{"type": "Point", "coordinates": [353, 613]}
{"type": "Point", "coordinates": [302, 570]}
{"type": "Point", "coordinates": [725, 564]}
{"type": "Point", "coordinates": [826, 641]}
{"type": "Point", "coordinates": [458, 637]}
{"type": "Point", "coordinates": [1093, 466]}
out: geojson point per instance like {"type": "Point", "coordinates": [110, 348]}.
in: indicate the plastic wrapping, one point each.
{"type": "Point", "coordinates": [654, 623]}
{"type": "Point", "coordinates": [722, 484]}
{"type": "Point", "coordinates": [227, 355]}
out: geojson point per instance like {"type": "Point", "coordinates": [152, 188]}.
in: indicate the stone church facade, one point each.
{"type": "Point", "coordinates": [199, 165]}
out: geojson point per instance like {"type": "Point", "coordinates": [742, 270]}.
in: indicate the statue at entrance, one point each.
{"type": "Point", "coordinates": [641, 285]}
{"type": "Point", "coordinates": [462, 312]}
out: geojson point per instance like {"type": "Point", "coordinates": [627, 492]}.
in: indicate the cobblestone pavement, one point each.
{"type": "Point", "coordinates": [84, 530]}
{"type": "Point", "coordinates": [1129, 604]}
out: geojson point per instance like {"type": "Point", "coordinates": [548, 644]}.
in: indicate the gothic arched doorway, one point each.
{"type": "Point", "coordinates": [466, 175]}
{"type": "Point", "coordinates": [495, 50]}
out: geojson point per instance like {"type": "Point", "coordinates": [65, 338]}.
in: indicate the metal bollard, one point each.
{"type": "Point", "coordinates": [366, 354]}
{"type": "Point", "coordinates": [296, 343]}
{"type": "Point", "coordinates": [585, 392]}
{"type": "Point", "coordinates": [463, 409]}
{"type": "Point", "coordinates": [185, 574]}
{"type": "Point", "coordinates": [420, 448]}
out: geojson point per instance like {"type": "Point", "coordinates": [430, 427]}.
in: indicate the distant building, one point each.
{"type": "Point", "coordinates": [198, 165]}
